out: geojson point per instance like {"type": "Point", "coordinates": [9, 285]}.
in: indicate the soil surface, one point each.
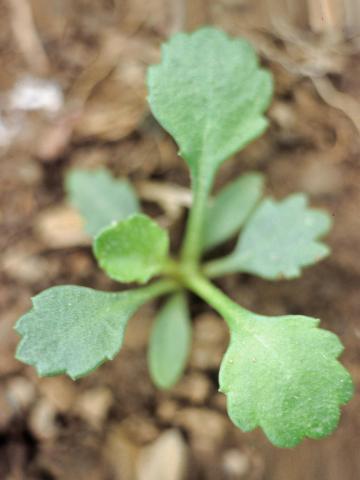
{"type": "Point", "coordinates": [114, 424]}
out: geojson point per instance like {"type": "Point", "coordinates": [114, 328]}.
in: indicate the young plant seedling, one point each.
{"type": "Point", "coordinates": [279, 373]}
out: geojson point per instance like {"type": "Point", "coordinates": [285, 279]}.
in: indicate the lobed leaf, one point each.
{"type": "Point", "coordinates": [231, 207]}
{"type": "Point", "coordinates": [133, 250]}
{"type": "Point", "coordinates": [209, 94]}
{"type": "Point", "coordinates": [279, 239]}
{"type": "Point", "coordinates": [74, 329]}
{"type": "Point", "coordinates": [100, 198]}
{"type": "Point", "coordinates": [170, 342]}
{"type": "Point", "coordinates": [281, 374]}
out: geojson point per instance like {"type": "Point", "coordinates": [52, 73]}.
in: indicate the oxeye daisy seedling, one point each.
{"type": "Point", "coordinates": [279, 373]}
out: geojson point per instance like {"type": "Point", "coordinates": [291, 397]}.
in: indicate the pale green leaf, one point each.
{"type": "Point", "coordinates": [279, 239]}
{"type": "Point", "coordinates": [74, 329]}
{"type": "Point", "coordinates": [170, 342]}
{"type": "Point", "coordinates": [133, 250]}
{"type": "Point", "coordinates": [281, 374]}
{"type": "Point", "coordinates": [100, 198]}
{"type": "Point", "coordinates": [231, 207]}
{"type": "Point", "coordinates": [210, 95]}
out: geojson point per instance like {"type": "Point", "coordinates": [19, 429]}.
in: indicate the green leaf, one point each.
{"type": "Point", "coordinates": [279, 239]}
{"type": "Point", "coordinates": [133, 250]}
{"type": "Point", "coordinates": [281, 374]}
{"type": "Point", "coordinates": [231, 207]}
{"type": "Point", "coordinates": [100, 198]}
{"type": "Point", "coordinates": [209, 94]}
{"type": "Point", "coordinates": [170, 342]}
{"type": "Point", "coordinates": [74, 329]}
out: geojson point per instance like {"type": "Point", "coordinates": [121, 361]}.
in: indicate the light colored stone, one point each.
{"type": "Point", "coordinates": [140, 428]}
{"type": "Point", "coordinates": [194, 387]}
{"type": "Point", "coordinates": [93, 406]}
{"type": "Point", "coordinates": [61, 227]}
{"type": "Point", "coordinates": [20, 393]}
{"type": "Point", "coordinates": [59, 391]}
{"type": "Point", "coordinates": [167, 410]}
{"type": "Point", "coordinates": [235, 463]}
{"type": "Point", "coordinates": [207, 428]}
{"type": "Point", "coordinates": [121, 454]}
{"type": "Point", "coordinates": [42, 420]}
{"type": "Point", "coordinates": [24, 267]}
{"type": "Point", "coordinates": [164, 459]}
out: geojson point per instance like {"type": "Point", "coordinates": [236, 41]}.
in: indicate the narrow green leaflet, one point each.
{"type": "Point", "coordinates": [279, 239]}
{"type": "Point", "coordinates": [210, 95]}
{"type": "Point", "coordinates": [170, 342]}
{"type": "Point", "coordinates": [133, 250]}
{"type": "Point", "coordinates": [100, 198]}
{"type": "Point", "coordinates": [231, 207]}
{"type": "Point", "coordinates": [74, 329]}
{"type": "Point", "coordinates": [281, 374]}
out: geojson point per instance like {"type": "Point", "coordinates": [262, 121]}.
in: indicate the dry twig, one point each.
{"type": "Point", "coordinates": [314, 62]}
{"type": "Point", "coordinates": [171, 198]}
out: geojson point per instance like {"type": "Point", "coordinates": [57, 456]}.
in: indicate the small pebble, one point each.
{"type": "Point", "coordinates": [93, 406]}
{"type": "Point", "coordinates": [20, 393]}
{"type": "Point", "coordinates": [164, 459]}
{"type": "Point", "coordinates": [42, 421]}
{"type": "Point", "coordinates": [194, 387]}
{"type": "Point", "coordinates": [235, 463]}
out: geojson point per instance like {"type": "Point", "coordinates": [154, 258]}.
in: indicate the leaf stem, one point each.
{"type": "Point", "coordinates": [157, 289]}
{"type": "Point", "coordinates": [227, 308]}
{"type": "Point", "coordinates": [192, 246]}
{"type": "Point", "coordinates": [219, 267]}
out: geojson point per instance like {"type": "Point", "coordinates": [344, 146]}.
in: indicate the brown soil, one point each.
{"type": "Point", "coordinates": [114, 424]}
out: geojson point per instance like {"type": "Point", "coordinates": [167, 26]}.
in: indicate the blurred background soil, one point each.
{"type": "Point", "coordinates": [72, 94]}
